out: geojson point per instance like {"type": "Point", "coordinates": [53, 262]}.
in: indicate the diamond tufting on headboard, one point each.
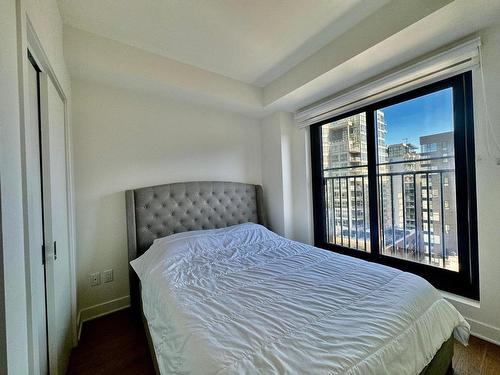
{"type": "Point", "coordinates": [159, 211]}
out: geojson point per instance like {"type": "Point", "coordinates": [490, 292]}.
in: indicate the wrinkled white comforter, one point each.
{"type": "Point", "coordinates": [243, 300]}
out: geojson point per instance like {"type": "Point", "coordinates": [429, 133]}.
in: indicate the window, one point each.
{"type": "Point", "coordinates": [404, 193]}
{"type": "Point", "coordinates": [429, 147]}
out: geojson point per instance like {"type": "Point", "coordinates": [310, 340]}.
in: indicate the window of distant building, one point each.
{"type": "Point", "coordinates": [394, 183]}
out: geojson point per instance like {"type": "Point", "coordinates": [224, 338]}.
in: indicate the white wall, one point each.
{"type": "Point", "coordinates": [286, 177]}
{"type": "Point", "coordinates": [92, 57]}
{"type": "Point", "coordinates": [301, 185]}
{"type": "Point", "coordinates": [277, 171]}
{"type": "Point", "coordinates": [14, 282]}
{"type": "Point", "coordinates": [484, 317]}
{"type": "Point", "coordinates": [125, 139]}
{"type": "Point", "coordinates": [272, 172]}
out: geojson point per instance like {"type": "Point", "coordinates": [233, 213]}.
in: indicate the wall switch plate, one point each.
{"type": "Point", "coordinates": [95, 279]}
{"type": "Point", "coordinates": [107, 276]}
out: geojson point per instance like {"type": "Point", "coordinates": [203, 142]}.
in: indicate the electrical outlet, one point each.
{"type": "Point", "coordinates": [107, 276]}
{"type": "Point", "coordinates": [95, 279]}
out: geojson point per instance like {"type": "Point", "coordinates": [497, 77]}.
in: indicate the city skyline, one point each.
{"type": "Point", "coordinates": [416, 198]}
{"type": "Point", "coordinates": [430, 114]}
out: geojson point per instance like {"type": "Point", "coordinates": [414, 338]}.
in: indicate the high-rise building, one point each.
{"type": "Point", "coordinates": [402, 157]}
{"type": "Point", "coordinates": [344, 142]}
{"type": "Point", "coordinates": [345, 160]}
{"type": "Point", "coordinates": [398, 199]}
{"type": "Point", "coordinates": [438, 214]}
{"type": "Point", "coordinates": [416, 190]}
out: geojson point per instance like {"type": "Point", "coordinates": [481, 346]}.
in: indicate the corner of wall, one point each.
{"type": "Point", "coordinates": [101, 309]}
{"type": "Point", "coordinates": [284, 171]}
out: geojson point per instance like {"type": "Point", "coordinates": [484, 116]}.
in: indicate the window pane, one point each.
{"type": "Point", "coordinates": [346, 182]}
{"type": "Point", "coordinates": [416, 180]}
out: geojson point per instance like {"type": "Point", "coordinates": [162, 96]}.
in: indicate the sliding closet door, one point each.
{"type": "Point", "coordinates": [34, 208]}
{"type": "Point", "coordinates": [56, 215]}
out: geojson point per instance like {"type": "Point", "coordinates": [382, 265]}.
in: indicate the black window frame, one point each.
{"type": "Point", "coordinates": [465, 282]}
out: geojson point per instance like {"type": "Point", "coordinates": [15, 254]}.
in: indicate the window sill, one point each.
{"type": "Point", "coordinates": [463, 300]}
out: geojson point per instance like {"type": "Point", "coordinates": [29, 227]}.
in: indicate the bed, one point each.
{"type": "Point", "coordinates": [222, 294]}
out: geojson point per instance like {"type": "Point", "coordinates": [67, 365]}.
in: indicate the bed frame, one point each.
{"type": "Point", "coordinates": [158, 211]}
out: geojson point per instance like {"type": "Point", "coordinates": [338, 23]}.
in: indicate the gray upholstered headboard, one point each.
{"type": "Point", "coordinates": [158, 211]}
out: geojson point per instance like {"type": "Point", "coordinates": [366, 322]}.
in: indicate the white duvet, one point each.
{"type": "Point", "coordinates": [243, 300]}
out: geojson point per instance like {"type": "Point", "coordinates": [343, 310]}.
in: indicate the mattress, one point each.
{"type": "Point", "coordinates": [243, 300]}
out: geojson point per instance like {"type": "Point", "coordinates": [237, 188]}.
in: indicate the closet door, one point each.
{"type": "Point", "coordinates": [56, 230]}
{"type": "Point", "coordinates": [34, 207]}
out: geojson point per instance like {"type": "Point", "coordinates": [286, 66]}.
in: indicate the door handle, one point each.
{"type": "Point", "coordinates": [43, 254]}
{"type": "Point", "coordinates": [55, 250]}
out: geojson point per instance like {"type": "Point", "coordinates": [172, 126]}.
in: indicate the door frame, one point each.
{"type": "Point", "coordinates": [32, 288]}
{"type": "Point", "coordinates": [29, 41]}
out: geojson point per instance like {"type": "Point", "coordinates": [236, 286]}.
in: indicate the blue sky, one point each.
{"type": "Point", "coordinates": [429, 114]}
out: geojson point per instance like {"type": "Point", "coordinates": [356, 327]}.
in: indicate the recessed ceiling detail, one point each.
{"type": "Point", "coordinates": [251, 41]}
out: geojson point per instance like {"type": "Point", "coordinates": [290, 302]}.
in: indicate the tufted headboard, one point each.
{"type": "Point", "coordinates": [159, 211]}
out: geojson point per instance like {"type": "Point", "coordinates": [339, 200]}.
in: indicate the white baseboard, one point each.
{"type": "Point", "coordinates": [484, 331]}
{"type": "Point", "coordinates": [101, 309]}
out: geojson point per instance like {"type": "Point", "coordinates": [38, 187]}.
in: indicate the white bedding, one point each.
{"type": "Point", "coordinates": [243, 300]}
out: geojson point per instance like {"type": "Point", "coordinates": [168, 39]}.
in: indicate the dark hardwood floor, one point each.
{"type": "Point", "coordinates": [113, 344]}
{"type": "Point", "coordinates": [117, 344]}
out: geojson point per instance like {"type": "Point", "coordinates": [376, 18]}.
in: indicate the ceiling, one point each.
{"type": "Point", "coordinates": [254, 41]}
